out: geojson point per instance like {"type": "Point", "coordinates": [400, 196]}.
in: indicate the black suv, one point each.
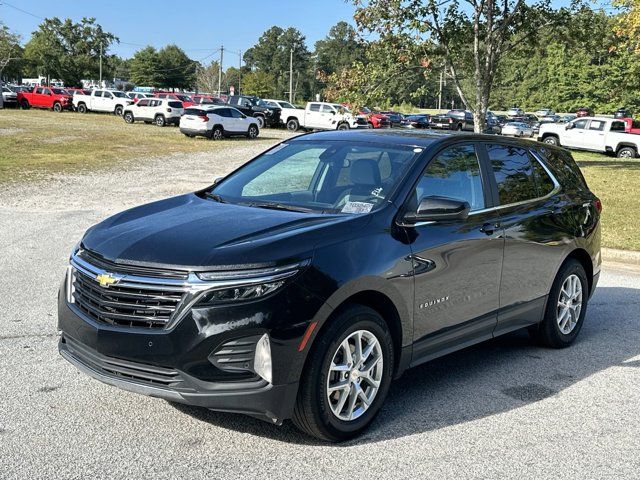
{"type": "Point", "coordinates": [302, 283]}
{"type": "Point", "coordinates": [266, 115]}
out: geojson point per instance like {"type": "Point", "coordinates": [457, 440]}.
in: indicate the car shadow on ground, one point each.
{"type": "Point", "coordinates": [496, 376]}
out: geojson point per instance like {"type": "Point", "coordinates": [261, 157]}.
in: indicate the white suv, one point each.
{"type": "Point", "coordinates": [161, 111]}
{"type": "Point", "coordinates": [216, 122]}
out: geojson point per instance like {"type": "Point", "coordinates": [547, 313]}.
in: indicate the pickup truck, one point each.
{"type": "Point", "coordinates": [322, 116]}
{"type": "Point", "coordinates": [251, 106]}
{"type": "Point", "coordinates": [453, 120]}
{"type": "Point", "coordinates": [55, 98]}
{"type": "Point", "coordinates": [595, 134]}
{"type": "Point", "coordinates": [102, 101]}
{"type": "Point", "coordinates": [631, 125]}
{"type": "Point", "coordinates": [375, 120]}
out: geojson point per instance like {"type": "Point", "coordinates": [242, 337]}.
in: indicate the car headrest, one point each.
{"type": "Point", "coordinates": [364, 172]}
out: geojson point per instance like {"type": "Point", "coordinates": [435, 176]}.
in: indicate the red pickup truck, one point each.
{"type": "Point", "coordinates": [55, 98]}
{"type": "Point", "coordinates": [631, 125]}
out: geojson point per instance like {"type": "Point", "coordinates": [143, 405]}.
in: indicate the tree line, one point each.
{"type": "Point", "coordinates": [477, 54]}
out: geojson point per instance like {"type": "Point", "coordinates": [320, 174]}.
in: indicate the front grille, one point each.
{"type": "Point", "coordinates": [124, 369]}
{"type": "Point", "coordinates": [130, 301]}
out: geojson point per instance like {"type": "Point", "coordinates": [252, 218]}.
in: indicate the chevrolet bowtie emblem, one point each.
{"type": "Point", "coordinates": [104, 279]}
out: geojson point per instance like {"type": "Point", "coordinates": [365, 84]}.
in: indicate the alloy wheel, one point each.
{"type": "Point", "coordinates": [569, 304]}
{"type": "Point", "coordinates": [355, 375]}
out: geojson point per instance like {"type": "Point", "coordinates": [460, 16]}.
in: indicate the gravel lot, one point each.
{"type": "Point", "coordinates": [502, 409]}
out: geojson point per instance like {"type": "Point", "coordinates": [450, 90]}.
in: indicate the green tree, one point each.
{"type": "Point", "coordinates": [259, 83]}
{"type": "Point", "coordinates": [339, 49]}
{"type": "Point", "coordinates": [144, 67]}
{"type": "Point", "coordinates": [177, 70]}
{"type": "Point", "coordinates": [10, 52]}
{"type": "Point", "coordinates": [470, 37]}
{"type": "Point", "coordinates": [68, 51]}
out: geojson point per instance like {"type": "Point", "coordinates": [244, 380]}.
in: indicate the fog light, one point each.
{"type": "Point", "coordinates": [262, 359]}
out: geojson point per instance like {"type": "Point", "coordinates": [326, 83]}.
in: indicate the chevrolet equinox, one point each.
{"type": "Point", "coordinates": [299, 285]}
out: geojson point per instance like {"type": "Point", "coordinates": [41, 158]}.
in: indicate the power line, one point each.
{"type": "Point", "coordinates": [21, 10]}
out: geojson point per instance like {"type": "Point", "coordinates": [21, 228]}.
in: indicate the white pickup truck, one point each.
{"type": "Point", "coordinates": [101, 100]}
{"type": "Point", "coordinates": [321, 116]}
{"type": "Point", "coordinates": [596, 134]}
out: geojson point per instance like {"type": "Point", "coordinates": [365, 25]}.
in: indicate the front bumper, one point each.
{"type": "Point", "coordinates": [257, 398]}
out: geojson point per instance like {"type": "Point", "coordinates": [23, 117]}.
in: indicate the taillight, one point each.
{"type": "Point", "coordinates": [204, 118]}
{"type": "Point", "coordinates": [598, 205]}
{"type": "Point", "coordinates": [451, 120]}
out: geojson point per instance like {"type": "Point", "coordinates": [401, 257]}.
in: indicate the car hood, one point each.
{"type": "Point", "coordinates": [193, 233]}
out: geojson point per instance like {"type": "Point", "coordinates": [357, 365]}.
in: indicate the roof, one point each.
{"type": "Point", "coordinates": [420, 138]}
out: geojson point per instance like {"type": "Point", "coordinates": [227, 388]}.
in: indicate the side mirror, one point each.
{"type": "Point", "coordinates": [217, 181]}
{"type": "Point", "coordinates": [435, 209]}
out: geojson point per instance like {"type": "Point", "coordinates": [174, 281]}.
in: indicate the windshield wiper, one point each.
{"type": "Point", "coordinates": [214, 196]}
{"type": "Point", "coordinates": [281, 206]}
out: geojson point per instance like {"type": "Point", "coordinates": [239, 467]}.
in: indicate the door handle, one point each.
{"type": "Point", "coordinates": [489, 228]}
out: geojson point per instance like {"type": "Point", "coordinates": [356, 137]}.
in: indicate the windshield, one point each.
{"type": "Point", "coordinates": [119, 94]}
{"type": "Point", "coordinates": [319, 176]}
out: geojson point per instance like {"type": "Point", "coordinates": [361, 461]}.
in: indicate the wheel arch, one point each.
{"type": "Point", "coordinates": [622, 145]}
{"type": "Point", "coordinates": [581, 255]}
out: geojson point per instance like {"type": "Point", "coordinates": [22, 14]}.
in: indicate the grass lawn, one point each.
{"type": "Point", "coordinates": [617, 183]}
{"type": "Point", "coordinates": [44, 141]}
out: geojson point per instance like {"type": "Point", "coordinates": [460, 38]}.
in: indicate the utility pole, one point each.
{"type": "Point", "coordinates": [291, 76]}
{"type": "Point", "coordinates": [100, 64]}
{"type": "Point", "coordinates": [239, 70]}
{"type": "Point", "coordinates": [220, 71]}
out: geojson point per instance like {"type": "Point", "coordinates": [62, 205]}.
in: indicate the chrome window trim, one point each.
{"type": "Point", "coordinates": [536, 156]}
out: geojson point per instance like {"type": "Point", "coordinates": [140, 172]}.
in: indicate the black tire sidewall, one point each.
{"type": "Point", "coordinates": [293, 125]}
{"type": "Point", "coordinates": [550, 330]}
{"type": "Point", "coordinates": [254, 129]}
{"type": "Point", "coordinates": [633, 152]}
{"type": "Point", "coordinates": [220, 131]}
{"type": "Point", "coordinates": [261, 121]}
{"type": "Point", "coordinates": [359, 318]}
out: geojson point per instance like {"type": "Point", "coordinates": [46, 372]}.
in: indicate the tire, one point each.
{"type": "Point", "coordinates": [252, 132]}
{"type": "Point", "coordinates": [160, 121]}
{"type": "Point", "coordinates": [261, 121]}
{"type": "Point", "coordinates": [128, 117]}
{"type": "Point", "coordinates": [293, 125]}
{"type": "Point", "coordinates": [314, 410]}
{"type": "Point", "coordinates": [24, 104]}
{"type": "Point", "coordinates": [82, 108]}
{"type": "Point", "coordinates": [370, 125]}
{"type": "Point", "coordinates": [459, 128]}
{"type": "Point", "coordinates": [343, 126]}
{"type": "Point", "coordinates": [550, 332]}
{"type": "Point", "coordinates": [57, 107]}
{"type": "Point", "coordinates": [217, 133]}
{"type": "Point", "coordinates": [627, 152]}
{"type": "Point", "coordinates": [118, 110]}
{"type": "Point", "coordinates": [551, 140]}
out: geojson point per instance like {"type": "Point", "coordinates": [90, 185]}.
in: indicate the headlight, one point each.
{"type": "Point", "coordinates": [244, 285]}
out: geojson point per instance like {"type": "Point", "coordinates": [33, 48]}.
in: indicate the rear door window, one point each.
{"type": "Point", "coordinates": [175, 104]}
{"type": "Point", "coordinates": [513, 170]}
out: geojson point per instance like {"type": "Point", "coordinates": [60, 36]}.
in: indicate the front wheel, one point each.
{"type": "Point", "coordinates": [348, 374]}
{"type": "Point", "coordinates": [160, 121]}
{"type": "Point", "coordinates": [118, 110]}
{"type": "Point", "coordinates": [252, 132]}
{"type": "Point", "coordinates": [626, 152]}
{"type": "Point", "coordinates": [566, 306]}
{"type": "Point", "coordinates": [57, 107]}
{"type": "Point", "coordinates": [261, 121]}
{"type": "Point", "coordinates": [82, 108]}
{"type": "Point", "coordinates": [24, 104]}
{"type": "Point", "coordinates": [217, 133]}
{"type": "Point", "coordinates": [343, 126]}
{"type": "Point", "coordinates": [128, 117]}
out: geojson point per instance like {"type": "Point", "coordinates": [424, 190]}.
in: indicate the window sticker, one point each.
{"type": "Point", "coordinates": [357, 207]}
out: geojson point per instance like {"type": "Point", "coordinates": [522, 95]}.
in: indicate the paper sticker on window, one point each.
{"type": "Point", "coordinates": [357, 207]}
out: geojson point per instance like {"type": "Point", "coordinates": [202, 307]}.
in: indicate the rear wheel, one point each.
{"type": "Point", "coordinates": [627, 152]}
{"type": "Point", "coordinates": [128, 117]}
{"type": "Point", "coordinates": [217, 133]}
{"type": "Point", "coordinates": [261, 121]}
{"type": "Point", "coordinates": [253, 131]}
{"type": "Point", "coordinates": [57, 107]}
{"type": "Point", "coordinates": [347, 376]}
{"type": "Point", "coordinates": [24, 104]}
{"type": "Point", "coordinates": [566, 306]}
{"type": "Point", "coordinates": [160, 121]}
{"type": "Point", "coordinates": [118, 110]}
{"type": "Point", "coordinates": [293, 125]}
{"type": "Point", "coordinates": [551, 140]}
{"type": "Point", "coordinates": [343, 126]}
{"type": "Point", "coordinates": [82, 108]}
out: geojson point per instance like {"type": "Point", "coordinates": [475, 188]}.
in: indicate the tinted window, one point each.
{"type": "Point", "coordinates": [314, 107]}
{"type": "Point", "coordinates": [98, 93]}
{"type": "Point", "coordinates": [143, 103]}
{"type": "Point", "coordinates": [235, 113]}
{"type": "Point", "coordinates": [453, 173]}
{"type": "Point", "coordinates": [107, 95]}
{"type": "Point", "coordinates": [38, 90]}
{"type": "Point", "coordinates": [513, 170]}
{"type": "Point", "coordinates": [193, 111]}
{"type": "Point", "coordinates": [564, 169]}
{"type": "Point", "coordinates": [618, 126]}
{"type": "Point", "coordinates": [175, 104]}
{"type": "Point", "coordinates": [544, 183]}
{"type": "Point", "coordinates": [223, 112]}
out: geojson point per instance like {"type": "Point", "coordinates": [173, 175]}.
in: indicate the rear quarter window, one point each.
{"type": "Point", "coordinates": [565, 169]}
{"type": "Point", "coordinates": [193, 111]}
{"type": "Point", "coordinates": [175, 104]}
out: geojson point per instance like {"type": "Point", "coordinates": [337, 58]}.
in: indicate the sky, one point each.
{"type": "Point", "coordinates": [199, 27]}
